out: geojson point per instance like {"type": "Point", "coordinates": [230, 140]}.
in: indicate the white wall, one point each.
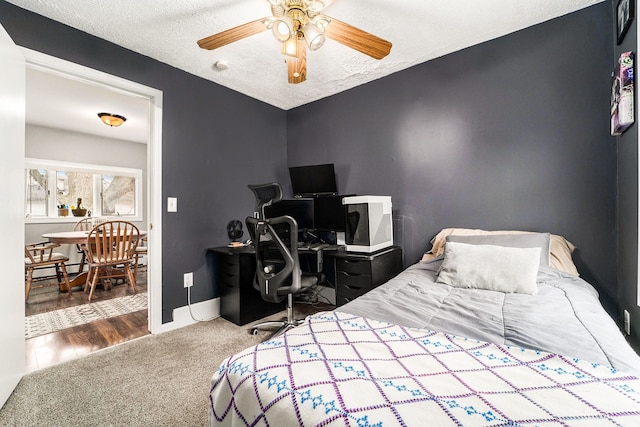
{"type": "Point", "coordinates": [61, 145]}
{"type": "Point", "coordinates": [57, 144]}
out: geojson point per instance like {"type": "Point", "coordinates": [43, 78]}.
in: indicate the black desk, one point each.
{"type": "Point", "coordinates": [233, 273]}
{"type": "Point", "coordinates": [351, 274]}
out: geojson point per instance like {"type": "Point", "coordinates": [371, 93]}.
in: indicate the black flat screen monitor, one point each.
{"type": "Point", "coordinates": [299, 209]}
{"type": "Point", "coordinates": [329, 213]}
{"type": "Point", "coordinates": [313, 180]}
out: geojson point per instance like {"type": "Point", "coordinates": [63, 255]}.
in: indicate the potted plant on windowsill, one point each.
{"type": "Point", "coordinates": [79, 210]}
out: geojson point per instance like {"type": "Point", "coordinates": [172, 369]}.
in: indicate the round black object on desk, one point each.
{"type": "Point", "coordinates": [234, 230]}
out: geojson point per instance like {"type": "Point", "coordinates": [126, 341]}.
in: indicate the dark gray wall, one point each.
{"type": "Point", "coordinates": [509, 134]}
{"type": "Point", "coordinates": [627, 145]}
{"type": "Point", "coordinates": [210, 153]}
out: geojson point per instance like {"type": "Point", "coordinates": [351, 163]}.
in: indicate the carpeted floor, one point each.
{"type": "Point", "coordinates": [46, 323]}
{"type": "Point", "coordinates": [157, 380]}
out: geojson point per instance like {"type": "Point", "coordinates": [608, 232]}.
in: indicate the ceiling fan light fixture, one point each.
{"type": "Point", "coordinates": [297, 24]}
{"type": "Point", "coordinates": [314, 7]}
{"type": "Point", "coordinates": [113, 120]}
{"type": "Point", "coordinates": [321, 21]}
{"type": "Point", "coordinates": [277, 9]}
{"type": "Point", "coordinates": [283, 28]}
{"type": "Point", "coordinates": [290, 47]}
{"type": "Point", "coordinates": [313, 35]}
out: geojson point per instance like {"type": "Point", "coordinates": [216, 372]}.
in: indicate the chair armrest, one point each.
{"type": "Point", "coordinates": [39, 252]}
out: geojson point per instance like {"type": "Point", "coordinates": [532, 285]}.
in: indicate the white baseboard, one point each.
{"type": "Point", "coordinates": [202, 311]}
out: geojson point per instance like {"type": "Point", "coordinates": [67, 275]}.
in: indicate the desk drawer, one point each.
{"type": "Point", "coordinates": [357, 274]}
{"type": "Point", "coordinates": [230, 280]}
{"type": "Point", "coordinates": [346, 293]}
{"type": "Point", "coordinates": [231, 265]}
{"type": "Point", "coordinates": [353, 281]}
{"type": "Point", "coordinates": [355, 266]}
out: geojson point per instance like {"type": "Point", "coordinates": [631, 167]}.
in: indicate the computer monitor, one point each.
{"type": "Point", "coordinates": [329, 213]}
{"type": "Point", "coordinates": [299, 209]}
{"type": "Point", "coordinates": [313, 180]}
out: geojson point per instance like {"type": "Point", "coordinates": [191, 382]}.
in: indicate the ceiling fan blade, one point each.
{"type": "Point", "coordinates": [297, 66]}
{"type": "Point", "coordinates": [357, 39]}
{"type": "Point", "coordinates": [233, 34]}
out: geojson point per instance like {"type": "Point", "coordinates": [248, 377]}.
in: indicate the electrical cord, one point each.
{"type": "Point", "coordinates": [322, 297]}
{"type": "Point", "coordinates": [313, 296]}
{"type": "Point", "coordinates": [191, 312]}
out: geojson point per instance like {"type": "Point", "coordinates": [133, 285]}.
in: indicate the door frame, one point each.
{"type": "Point", "coordinates": [47, 63]}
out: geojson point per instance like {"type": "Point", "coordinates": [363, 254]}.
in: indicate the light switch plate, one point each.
{"type": "Point", "coordinates": [172, 204]}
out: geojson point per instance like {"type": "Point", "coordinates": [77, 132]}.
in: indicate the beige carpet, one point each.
{"type": "Point", "coordinates": [157, 380]}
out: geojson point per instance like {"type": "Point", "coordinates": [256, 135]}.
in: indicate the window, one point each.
{"type": "Point", "coordinates": [118, 195]}
{"type": "Point", "coordinates": [73, 185]}
{"type": "Point", "coordinates": [36, 190]}
{"type": "Point", "coordinates": [53, 189]}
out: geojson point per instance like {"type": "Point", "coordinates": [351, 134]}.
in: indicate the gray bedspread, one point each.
{"type": "Point", "coordinates": [565, 317]}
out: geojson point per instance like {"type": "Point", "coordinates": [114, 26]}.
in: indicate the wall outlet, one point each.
{"type": "Point", "coordinates": [188, 280]}
{"type": "Point", "coordinates": [627, 323]}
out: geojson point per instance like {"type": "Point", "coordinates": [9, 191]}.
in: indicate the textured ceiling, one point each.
{"type": "Point", "coordinates": [420, 30]}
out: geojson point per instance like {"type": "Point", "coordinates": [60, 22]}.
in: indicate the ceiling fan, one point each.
{"type": "Point", "coordinates": [298, 24]}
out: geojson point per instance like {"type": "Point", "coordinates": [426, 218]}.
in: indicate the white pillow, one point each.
{"type": "Point", "coordinates": [561, 249]}
{"type": "Point", "coordinates": [528, 240]}
{"type": "Point", "coordinates": [494, 268]}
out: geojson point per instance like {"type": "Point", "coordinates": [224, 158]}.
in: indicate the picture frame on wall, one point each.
{"type": "Point", "coordinates": [624, 15]}
{"type": "Point", "coordinates": [622, 94]}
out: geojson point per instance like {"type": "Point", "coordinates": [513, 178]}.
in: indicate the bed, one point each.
{"type": "Point", "coordinates": [490, 328]}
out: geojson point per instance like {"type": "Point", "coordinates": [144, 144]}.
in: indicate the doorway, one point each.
{"type": "Point", "coordinates": [97, 81]}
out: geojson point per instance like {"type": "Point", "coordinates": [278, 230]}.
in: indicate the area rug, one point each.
{"type": "Point", "coordinates": [46, 323]}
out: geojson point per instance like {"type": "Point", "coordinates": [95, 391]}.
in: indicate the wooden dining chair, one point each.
{"type": "Point", "coordinates": [141, 251]}
{"type": "Point", "coordinates": [39, 255]}
{"type": "Point", "coordinates": [110, 249]}
{"type": "Point", "coordinates": [86, 224]}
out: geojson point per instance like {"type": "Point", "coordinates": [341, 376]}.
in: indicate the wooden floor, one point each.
{"type": "Point", "coordinates": [71, 343]}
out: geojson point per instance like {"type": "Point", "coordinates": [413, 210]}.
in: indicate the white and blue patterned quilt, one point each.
{"type": "Point", "coordinates": [338, 369]}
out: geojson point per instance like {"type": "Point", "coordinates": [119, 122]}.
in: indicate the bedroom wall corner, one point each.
{"type": "Point", "coordinates": [627, 200]}
{"type": "Point", "coordinates": [508, 134]}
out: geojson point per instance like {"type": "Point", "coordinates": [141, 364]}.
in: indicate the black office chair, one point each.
{"type": "Point", "coordinates": [266, 194]}
{"type": "Point", "coordinates": [278, 274]}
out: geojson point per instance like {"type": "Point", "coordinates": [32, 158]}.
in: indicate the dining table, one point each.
{"type": "Point", "coordinates": [76, 237]}
{"type": "Point", "coordinates": [67, 237]}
